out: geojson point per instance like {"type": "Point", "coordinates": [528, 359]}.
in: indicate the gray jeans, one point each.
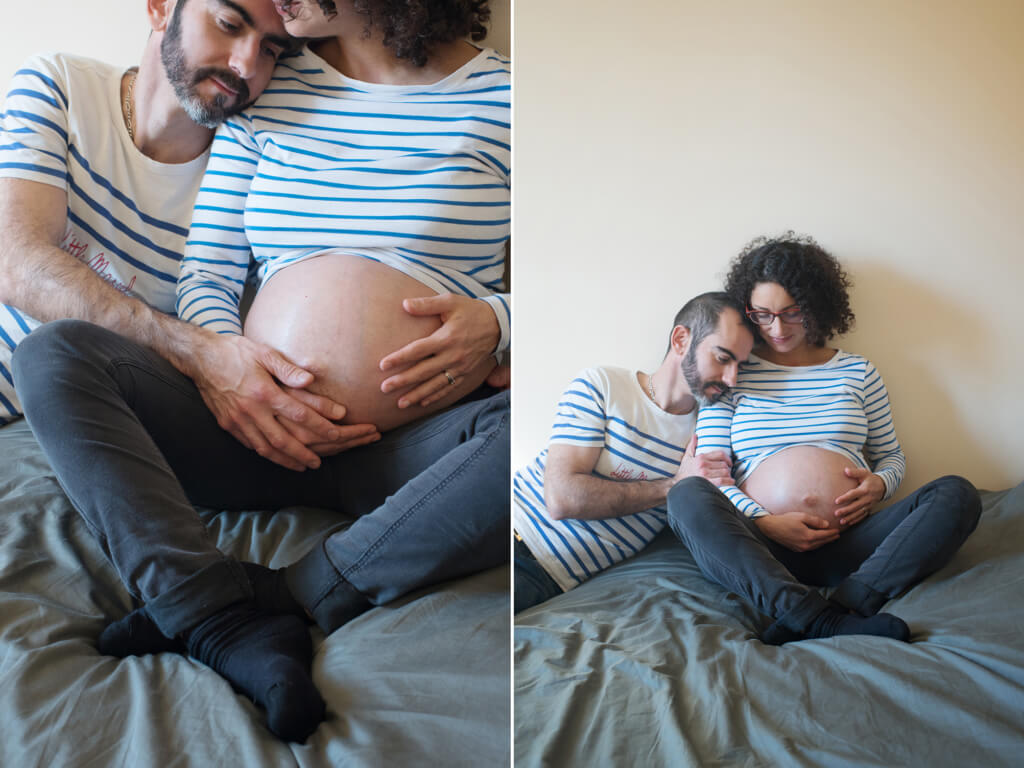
{"type": "Point", "coordinates": [135, 449]}
{"type": "Point", "coordinates": [871, 563]}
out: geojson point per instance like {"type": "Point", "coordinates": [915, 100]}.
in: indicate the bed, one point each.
{"type": "Point", "coordinates": [650, 664]}
{"type": "Point", "coordinates": [423, 681]}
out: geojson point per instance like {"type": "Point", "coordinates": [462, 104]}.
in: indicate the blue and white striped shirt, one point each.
{"type": "Point", "coordinates": [415, 177]}
{"type": "Point", "coordinates": [602, 408]}
{"type": "Point", "coordinates": [841, 405]}
{"type": "Point", "coordinates": [127, 214]}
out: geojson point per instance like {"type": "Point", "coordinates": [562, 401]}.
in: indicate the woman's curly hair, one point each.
{"type": "Point", "coordinates": [412, 28]}
{"type": "Point", "coordinates": [809, 273]}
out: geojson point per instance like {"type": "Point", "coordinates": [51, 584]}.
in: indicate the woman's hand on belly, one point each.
{"type": "Point", "coordinates": [500, 377]}
{"type": "Point", "coordinates": [855, 504]}
{"type": "Point", "coordinates": [802, 478]}
{"type": "Point", "coordinates": [468, 335]}
{"type": "Point", "coordinates": [336, 316]}
{"type": "Point", "coordinates": [798, 531]}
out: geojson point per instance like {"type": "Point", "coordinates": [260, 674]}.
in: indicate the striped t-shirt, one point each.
{"type": "Point", "coordinates": [413, 176]}
{"type": "Point", "coordinates": [841, 405]}
{"type": "Point", "coordinates": [604, 408]}
{"type": "Point", "coordinates": [127, 215]}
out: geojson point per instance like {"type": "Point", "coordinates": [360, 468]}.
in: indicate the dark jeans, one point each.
{"type": "Point", "coordinates": [870, 563]}
{"type": "Point", "coordinates": [135, 447]}
{"type": "Point", "coordinates": [533, 585]}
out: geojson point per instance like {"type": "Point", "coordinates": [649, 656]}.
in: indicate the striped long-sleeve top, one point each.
{"type": "Point", "coordinates": [127, 214]}
{"type": "Point", "coordinates": [603, 408]}
{"type": "Point", "coordinates": [841, 405]}
{"type": "Point", "coordinates": [415, 177]}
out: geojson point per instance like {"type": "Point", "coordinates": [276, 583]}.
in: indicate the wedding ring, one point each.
{"type": "Point", "coordinates": [451, 379]}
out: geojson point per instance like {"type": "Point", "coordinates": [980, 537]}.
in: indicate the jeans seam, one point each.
{"type": "Point", "coordinates": [126, 362]}
{"type": "Point", "coordinates": [732, 572]}
{"type": "Point", "coordinates": [881, 570]}
{"type": "Point", "coordinates": [386, 535]}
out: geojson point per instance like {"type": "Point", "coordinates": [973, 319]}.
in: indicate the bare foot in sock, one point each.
{"type": "Point", "coordinates": [268, 659]}
{"type": "Point", "coordinates": [137, 634]}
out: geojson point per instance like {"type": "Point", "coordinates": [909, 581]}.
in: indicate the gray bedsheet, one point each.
{"type": "Point", "coordinates": [424, 681]}
{"type": "Point", "coordinates": [649, 664]}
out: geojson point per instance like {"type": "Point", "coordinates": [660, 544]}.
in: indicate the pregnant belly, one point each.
{"type": "Point", "coordinates": [336, 316]}
{"type": "Point", "coordinates": [804, 478]}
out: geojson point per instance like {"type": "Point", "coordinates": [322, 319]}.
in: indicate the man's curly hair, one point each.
{"type": "Point", "coordinates": [809, 273]}
{"type": "Point", "coordinates": [412, 28]}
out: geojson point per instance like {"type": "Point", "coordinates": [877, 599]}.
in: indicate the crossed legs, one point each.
{"type": "Point", "coordinates": [869, 564]}
{"type": "Point", "coordinates": [135, 448]}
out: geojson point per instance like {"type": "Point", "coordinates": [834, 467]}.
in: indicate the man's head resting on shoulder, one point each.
{"type": "Point", "coordinates": [218, 55]}
{"type": "Point", "coordinates": [710, 337]}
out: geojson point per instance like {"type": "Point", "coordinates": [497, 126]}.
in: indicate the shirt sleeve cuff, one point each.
{"type": "Point", "coordinates": [499, 302]}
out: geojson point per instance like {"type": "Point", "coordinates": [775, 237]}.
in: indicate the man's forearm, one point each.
{"type": "Point", "coordinates": [49, 284]}
{"type": "Point", "coordinates": [588, 497]}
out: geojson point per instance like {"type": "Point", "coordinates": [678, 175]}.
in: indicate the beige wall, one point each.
{"type": "Point", "coordinates": [115, 30]}
{"type": "Point", "coordinates": [653, 140]}
{"type": "Point", "coordinates": [111, 30]}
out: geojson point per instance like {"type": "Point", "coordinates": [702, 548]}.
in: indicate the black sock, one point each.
{"type": "Point", "coordinates": [137, 634]}
{"type": "Point", "coordinates": [267, 658]}
{"type": "Point", "coordinates": [270, 591]}
{"type": "Point", "coordinates": [832, 621]}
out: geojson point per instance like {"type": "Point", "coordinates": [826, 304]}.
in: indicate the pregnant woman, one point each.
{"type": "Point", "coordinates": [370, 186]}
{"type": "Point", "coordinates": [814, 452]}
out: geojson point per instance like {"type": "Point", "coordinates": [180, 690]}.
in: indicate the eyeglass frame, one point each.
{"type": "Point", "coordinates": [799, 318]}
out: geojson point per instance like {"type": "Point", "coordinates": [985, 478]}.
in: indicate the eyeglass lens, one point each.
{"type": "Point", "coordinates": [794, 315]}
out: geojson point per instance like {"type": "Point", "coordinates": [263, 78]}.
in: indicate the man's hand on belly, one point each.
{"type": "Point", "coordinates": [469, 333]}
{"type": "Point", "coordinates": [241, 383]}
{"type": "Point", "coordinates": [351, 435]}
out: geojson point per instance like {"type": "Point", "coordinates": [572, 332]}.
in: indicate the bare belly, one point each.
{"type": "Point", "coordinates": [337, 316]}
{"type": "Point", "coordinates": [804, 478]}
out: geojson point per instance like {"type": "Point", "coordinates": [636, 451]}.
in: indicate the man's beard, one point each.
{"type": "Point", "coordinates": [698, 387]}
{"type": "Point", "coordinates": [184, 80]}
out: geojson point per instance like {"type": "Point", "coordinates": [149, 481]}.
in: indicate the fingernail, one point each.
{"type": "Point", "coordinates": [333, 434]}
{"type": "Point", "coordinates": [403, 403]}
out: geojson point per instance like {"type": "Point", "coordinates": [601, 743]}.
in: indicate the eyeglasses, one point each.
{"type": "Point", "coordinates": [764, 317]}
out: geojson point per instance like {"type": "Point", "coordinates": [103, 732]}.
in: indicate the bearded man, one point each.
{"type": "Point", "coordinates": [99, 169]}
{"type": "Point", "coordinates": [621, 440]}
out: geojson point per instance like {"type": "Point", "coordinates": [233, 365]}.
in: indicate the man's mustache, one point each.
{"type": "Point", "coordinates": [721, 389]}
{"type": "Point", "coordinates": [226, 76]}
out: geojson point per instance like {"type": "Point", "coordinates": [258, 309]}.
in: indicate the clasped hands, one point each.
{"type": "Point", "coordinates": [803, 532]}
{"type": "Point", "coordinates": [260, 397]}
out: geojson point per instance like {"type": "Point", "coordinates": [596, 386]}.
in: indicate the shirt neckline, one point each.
{"type": "Point", "coordinates": [363, 85]}
{"type": "Point", "coordinates": [188, 168]}
{"type": "Point", "coordinates": [654, 406]}
{"type": "Point", "coordinates": [831, 361]}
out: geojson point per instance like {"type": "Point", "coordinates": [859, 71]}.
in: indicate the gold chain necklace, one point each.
{"type": "Point", "coordinates": [650, 384]}
{"type": "Point", "coordinates": [129, 117]}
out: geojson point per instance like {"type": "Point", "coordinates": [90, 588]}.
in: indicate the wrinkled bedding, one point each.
{"type": "Point", "coordinates": [650, 664]}
{"type": "Point", "coordinates": [424, 680]}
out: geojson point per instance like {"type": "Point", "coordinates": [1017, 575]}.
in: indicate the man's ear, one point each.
{"type": "Point", "coordinates": [159, 12]}
{"type": "Point", "coordinates": [680, 339]}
